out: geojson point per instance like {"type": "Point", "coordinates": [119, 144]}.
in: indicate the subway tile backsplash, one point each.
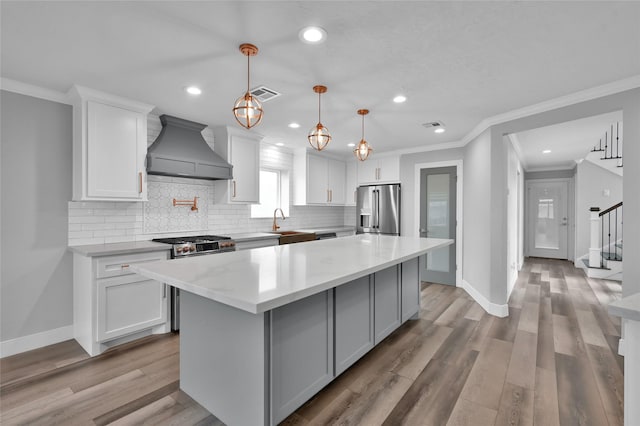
{"type": "Point", "coordinates": [97, 222]}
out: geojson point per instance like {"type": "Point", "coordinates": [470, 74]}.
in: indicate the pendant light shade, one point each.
{"type": "Point", "coordinates": [363, 150]}
{"type": "Point", "coordinates": [248, 109]}
{"type": "Point", "coordinates": [319, 136]}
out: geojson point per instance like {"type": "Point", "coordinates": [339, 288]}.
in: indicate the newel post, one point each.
{"type": "Point", "coordinates": [594, 246]}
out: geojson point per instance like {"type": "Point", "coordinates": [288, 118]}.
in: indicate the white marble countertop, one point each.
{"type": "Point", "coordinates": [627, 307]}
{"type": "Point", "coordinates": [262, 279]}
{"type": "Point", "coordinates": [119, 248]}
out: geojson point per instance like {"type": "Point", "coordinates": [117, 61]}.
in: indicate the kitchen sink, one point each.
{"type": "Point", "coordinates": [290, 237]}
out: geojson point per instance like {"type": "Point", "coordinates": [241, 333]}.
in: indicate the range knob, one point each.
{"type": "Point", "coordinates": [178, 249]}
{"type": "Point", "coordinates": [192, 248]}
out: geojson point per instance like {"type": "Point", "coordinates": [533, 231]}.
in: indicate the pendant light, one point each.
{"type": "Point", "coordinates": [319, 136]}
{"type": "Point", "coordinates": [248, 109]}
{"type": "Point", "coordinates": [363, 150]}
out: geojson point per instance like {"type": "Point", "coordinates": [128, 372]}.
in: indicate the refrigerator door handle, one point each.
{"type": "Point", "coordinates": [377, 191]}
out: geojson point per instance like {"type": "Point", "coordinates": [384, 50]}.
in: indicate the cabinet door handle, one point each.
{"type": "Point", "coordinates": [164, 291]}
{"type": "Point", "coordinates": [327, 195]}
{"type": "Point", "coordinates": [234, 189]}
{"type": "Point", "coordinates": [355, 196]}
{"type": "Point", "coordinates": [140, 183]}
{"type": "Point", "coordinates": [330, 195]}
{"type": "Point", "coordinates": [124, 266]}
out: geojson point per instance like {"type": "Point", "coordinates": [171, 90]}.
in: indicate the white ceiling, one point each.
{"type": "Point", "coordinates": [458, 62]}
{"type": "Point", "coordinates": [568, 142]}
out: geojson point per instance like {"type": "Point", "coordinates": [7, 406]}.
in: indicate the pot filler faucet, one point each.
{"type": "Point", "coordinates": [275, 226]}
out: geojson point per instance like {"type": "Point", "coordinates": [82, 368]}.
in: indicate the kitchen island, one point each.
{"type": "Point", "coordinates": [263, 330]}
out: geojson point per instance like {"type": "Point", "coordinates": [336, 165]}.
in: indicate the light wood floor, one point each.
{"type": "Point", "coordinates": [551, 362]}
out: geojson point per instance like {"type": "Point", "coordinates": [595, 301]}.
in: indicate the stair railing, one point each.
{"type": "Point", "coordinates": [606, 222]}
{"type": "Point", "coordinates": [612, 150]}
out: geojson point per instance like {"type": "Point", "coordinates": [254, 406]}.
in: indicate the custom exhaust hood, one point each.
{"type": "Point", "coordinates": [180, 150]}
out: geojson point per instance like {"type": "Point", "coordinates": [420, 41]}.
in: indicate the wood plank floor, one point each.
{"type": "Point", "coordinates": [553, 361]}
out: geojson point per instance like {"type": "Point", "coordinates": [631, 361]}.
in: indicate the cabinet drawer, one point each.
{"type": "Point", "coordinates": [118, 265]}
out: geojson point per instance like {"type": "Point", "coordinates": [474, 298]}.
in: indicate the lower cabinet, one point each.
{"type": "Point", "coordinates": [315, 339]}
{"type": "Point", "coordinates": [354, 322]}
{"type": "Point", "coordinates": [410, 289]}
{"type": "Point", "coordinates": [129, 304]}
{"type": "Point", "coordinates": [113, 305]}
{"type": "Point", "coordinates": [387, 302]}
{"type": "Point", "coordinates": [301, 352]}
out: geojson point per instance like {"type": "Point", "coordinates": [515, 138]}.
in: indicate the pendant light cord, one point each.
{"type": "Point", "coordinates": [362, 126]}
{"type": "Point", "coordinates": [248, 73]}
{"type": "Point", "coordinates": [319, 121]}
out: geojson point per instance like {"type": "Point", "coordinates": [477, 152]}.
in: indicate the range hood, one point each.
{"type": "Point", "coordinates": [180, 150]}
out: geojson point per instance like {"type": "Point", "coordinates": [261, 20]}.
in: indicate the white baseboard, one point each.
{"type": "Point", "coordinates": [35, 341]}
{"type": "Point", "coordinates": [492, 308]}
{"type": "Point", "coordinates": [621, 347]}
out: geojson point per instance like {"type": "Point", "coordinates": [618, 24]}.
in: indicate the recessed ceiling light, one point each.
{"type": "Point", "coordinates": [351, 145]}
{"type": "Point", "coordinates": [193, 90]}
{"type": "Point", "coordinates": [279, 144]}
{"type": "Point", "coordinates": [312, 35]}
{"type": "Point", "coordinates": [294, 125]}
{"type": "Point", "coordinates": [399, 99]}
{"type": "Point", "coordinates": [439, 130]}
{"type": "Point", "coordinates": [546, 151]}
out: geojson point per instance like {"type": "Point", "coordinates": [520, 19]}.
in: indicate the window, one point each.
{"type": "Point", "coordinates": [274, 193]}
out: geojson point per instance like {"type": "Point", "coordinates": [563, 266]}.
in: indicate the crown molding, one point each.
{"type": "Point", "coordinates": [33, 91]}
{"type": "Point", "coordinates": [426, 148]}
{"type": "Point", "coordinates": [550, 169]}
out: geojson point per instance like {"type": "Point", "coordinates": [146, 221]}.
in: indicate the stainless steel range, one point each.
{"type": "Point", "coordinates": [193, 246]}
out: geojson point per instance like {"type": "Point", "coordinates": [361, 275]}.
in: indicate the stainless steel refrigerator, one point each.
{"type": "Point", "coordinates": [378, 209]}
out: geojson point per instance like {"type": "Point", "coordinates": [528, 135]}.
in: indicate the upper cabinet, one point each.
{"type": "Point", "coordinates": [109, 146]}
{"type": "Point", "coordinates": [351, 184]}
{"type": "Point", "coordinates": [379, 170]}
{"type": "Point", "coordinates": [318, 180]}
{"type": "Point", "coordinates": [241, 148]}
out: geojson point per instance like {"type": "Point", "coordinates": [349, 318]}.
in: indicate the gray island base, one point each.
{"type": "Point", "coordinates": [249, 365]}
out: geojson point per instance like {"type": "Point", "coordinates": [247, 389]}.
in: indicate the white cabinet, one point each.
{"type": "Point", "coordinates": [109, 146]}
{"type": "Point", "coordinates": [112, 305]}
{"type": "Point", "coordinates": [351, 184]}
{"type": "Point", "coordinates": [318, 180]}
{"type": "Point", "coordinates": [241, 148]}
{"type": "Point", "coordinates": [379, 170]}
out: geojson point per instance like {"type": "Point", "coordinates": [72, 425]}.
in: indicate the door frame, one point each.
{"type": "Point", "coordinates": [416, 207]}
{"type": "Point", "coordinates": [571, 215]}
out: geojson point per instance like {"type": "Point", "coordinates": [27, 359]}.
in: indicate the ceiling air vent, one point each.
{"type": "Point", "coordinates": [264, 94]}
{"type": "Point", "coordinates": [433, 124]}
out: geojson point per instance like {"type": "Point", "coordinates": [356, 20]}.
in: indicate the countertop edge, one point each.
{"type": "Point", "coordinates": [627, 308]}
{"type": "Point", "coordinates": [110, 249]}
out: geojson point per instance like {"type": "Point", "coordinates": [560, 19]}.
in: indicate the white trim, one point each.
{"type": "Point", "coordinates": [515, 143]}
{"type": "Point", "coordinates": [35, 341]}
{"type": "Point", "coordinates": [494, 309]}
{"type": "Point", "coordinates": [569, 168]}
{"type": "Point", "coordinates": [621, 347]}
{"type": "Point", "coordinates": [34, 91]}
{"type": "Point", "coordinates": [459, 207]}
{"type": "Point", "coordinates": [426, 148]}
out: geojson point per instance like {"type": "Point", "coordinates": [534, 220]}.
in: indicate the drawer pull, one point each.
{"type": "Point", "coordinates": [124, 266]}
{"type": "Point", "coordinates": [140, 183]}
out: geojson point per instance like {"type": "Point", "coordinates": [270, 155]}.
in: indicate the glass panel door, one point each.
{"type": "Point", "coordinates": [548, 219]}
{"type": "Point", "coordinates": [438, 220]}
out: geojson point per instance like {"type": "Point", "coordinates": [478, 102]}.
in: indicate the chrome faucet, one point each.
{"type": "Point", "coordinates": [275, 226]}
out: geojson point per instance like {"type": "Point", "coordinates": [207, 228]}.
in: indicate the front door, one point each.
{"type": "Point", "coordinates": [438, 220]}
{"type": "Point", "coordinates": [547, 219]}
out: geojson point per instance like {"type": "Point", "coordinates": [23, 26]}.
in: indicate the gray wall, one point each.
{"type": "Point", "coordinates": [591, 181]}
{"type": "Point", "coordinates": [407, 178]}
{"type": "Point", "coordinates": [36, 269]}
{"type": "Point", "coordinates": [477, 214]}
